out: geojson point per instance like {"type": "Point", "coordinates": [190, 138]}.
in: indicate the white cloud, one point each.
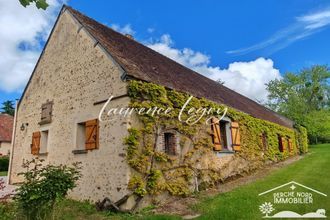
{"type": "Point", "coordinates": [303, 27]}
{"type": "Point", "coordinates": [186, 56]}
{"type": "Point", "coordinates": [151, 30]}
{"type": "Point", "coordinates": [316, 20]}
{"type": "Point", "coordinates": [27, 26]}
{"type": "Point", "coordinates": [126, 29]}
{"type": "Point", "coordinates": [18, 26]}
{"type": "Point", "coordinates": [247, 78]}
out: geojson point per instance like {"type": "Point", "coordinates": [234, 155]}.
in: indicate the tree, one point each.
{"type": "Point", "coordinates": [8, 108]}
{"type": "Point", "coordinates": [41, 4]}
{"type": "Point", "coordinates": [304, 97]}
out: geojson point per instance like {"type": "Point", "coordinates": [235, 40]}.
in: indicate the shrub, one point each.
{"type": "Point", "coordinates": [4, 163]}
{"type": "Point", "coordinates": [301, 136]}
{"type": "Point", "coordinates": [6, 211]}
{"type": "Point", "coordinates": [43, 187]}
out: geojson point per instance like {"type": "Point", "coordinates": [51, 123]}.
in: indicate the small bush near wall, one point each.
{"type": "Point", "coordinates": [43, 187]}
{"type": "Point", "coordinates": [4, 163]}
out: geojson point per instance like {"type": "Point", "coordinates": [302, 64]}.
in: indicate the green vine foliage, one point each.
{"type": "Point", "coordinates": [194, 167]}
{"type": "Point", "coordinates": [302, 138]}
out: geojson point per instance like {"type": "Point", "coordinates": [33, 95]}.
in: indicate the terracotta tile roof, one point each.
{"type": "Point", "coordinates": [6, 127]}
{"type": "Point", "coordinates": [146, 64]}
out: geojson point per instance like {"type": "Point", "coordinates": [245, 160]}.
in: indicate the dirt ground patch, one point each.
{"type": "Point", "coordinates": [182, 206]}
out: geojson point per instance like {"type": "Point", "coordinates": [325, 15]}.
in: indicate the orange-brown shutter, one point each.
{"type": "Point", "coordinates": [92, 134]}
{"type": "Point", "coordinates": [290, 145]}
{"type": "Point", "coordinates": [282, 139]}
{"type": "Point", "coordinates": [35, 146]}
{"type": "Point", "coordinates": [216, 137]}
{"type": "Point", "coordinates": [235, 136]}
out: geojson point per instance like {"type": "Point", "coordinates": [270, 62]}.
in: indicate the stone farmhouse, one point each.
{"type": "Point", "coordinates": [6, 130]}
{"type": "Point", "coordinates": [82, 65]}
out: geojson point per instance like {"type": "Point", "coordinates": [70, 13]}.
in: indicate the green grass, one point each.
{"type": "Point", "coordinates": [3, 173]}
{"type": "Point", "coordinates": [243, 202]}
{"type": "Point", "coordinates": [73, 210]}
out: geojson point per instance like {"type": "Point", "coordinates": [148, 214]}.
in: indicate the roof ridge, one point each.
{"type": "Point", "coordinates": [146, 64]}
{"type": "Point", "coordinates": [5, 114]}
{"type": "Point", "coordinates": [165, 56]}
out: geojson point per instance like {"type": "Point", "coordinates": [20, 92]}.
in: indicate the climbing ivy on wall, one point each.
{"type": "Point", "coordinates": [154, 172]}
{"type": "Point", "coordinates": [302, 140]}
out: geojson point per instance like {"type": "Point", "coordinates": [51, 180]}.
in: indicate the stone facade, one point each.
{"type": "Point", "coordinates": [74, 73]}
{"type": "Point", "coordinates": [5, 148]}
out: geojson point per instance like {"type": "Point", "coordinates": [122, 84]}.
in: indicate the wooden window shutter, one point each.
{"type": "Point", "coordinates": [170, 143]}
{"type": "Point", "coordinates": [35, 146]}
{"type": "Point", "coordinates": [46, 112]}
{"type": "Point", "coordinates": [290, 144]}
{"type": "Point", "coordinates": [216, 137]}
{"type": "Point", "coordinates": [92, 134]}
{"type": "Point", "coordinates": [284, 144]}
{"type": "Point", "coordinates": [235, 136]}
{"type": "Point", "coordinates": [281, 144]}
{"type": "Point", "coordinates": [263, 141]}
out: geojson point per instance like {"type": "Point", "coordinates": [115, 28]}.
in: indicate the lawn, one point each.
{"type": "Point", "coordinates": [3, 173]}
{"type": "Point", "coordinates": [242, 203]}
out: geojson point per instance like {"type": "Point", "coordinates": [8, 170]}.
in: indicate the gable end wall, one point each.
{"type": "Point", "coordinates": [74, 73]}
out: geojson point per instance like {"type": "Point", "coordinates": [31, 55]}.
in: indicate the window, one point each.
{"type": "Point", "coordinates": [225, 135]}
{"type": "Point", "coordinates": [44, 142]}
{"type": "Point", "coordinates": [170, 143]}
{"type": "Point", "coordinates": [46, 113]}
{"type": "Point", "coordinates": [280, 143]}
{"type": "Point", "coordinates": [39, 142]}
{"type": "Point", "coordinates": [87, 135]}
{"type": "Point", "coordinates": [81, 130]}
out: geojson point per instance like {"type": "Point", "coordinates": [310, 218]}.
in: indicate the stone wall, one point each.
{"type": "Point", "coordinates": [5, 148]}
{"type": "Point", "coordinates": [74, 72]}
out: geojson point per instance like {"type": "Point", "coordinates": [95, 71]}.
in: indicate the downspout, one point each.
{"type": "Point", "coordinates": [12, 144]}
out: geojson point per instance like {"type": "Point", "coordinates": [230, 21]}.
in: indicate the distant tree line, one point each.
{"type": "Point", "coordinates": [304, 97]}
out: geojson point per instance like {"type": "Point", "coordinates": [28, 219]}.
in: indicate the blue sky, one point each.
{"type": "Point", "coordinates": [214, 27]}
{"type": "Point", "coordinates": [284, 35]}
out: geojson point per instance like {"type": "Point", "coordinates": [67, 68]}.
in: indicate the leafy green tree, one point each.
{"type": "Point", "coordinates": [318, 124]}
{"type": "Point", "coordinates": [8, 108]}
{"type": "Point", "coordinates": [41, 4]}
{"type": "Point", "coordinates": [305, 98]}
